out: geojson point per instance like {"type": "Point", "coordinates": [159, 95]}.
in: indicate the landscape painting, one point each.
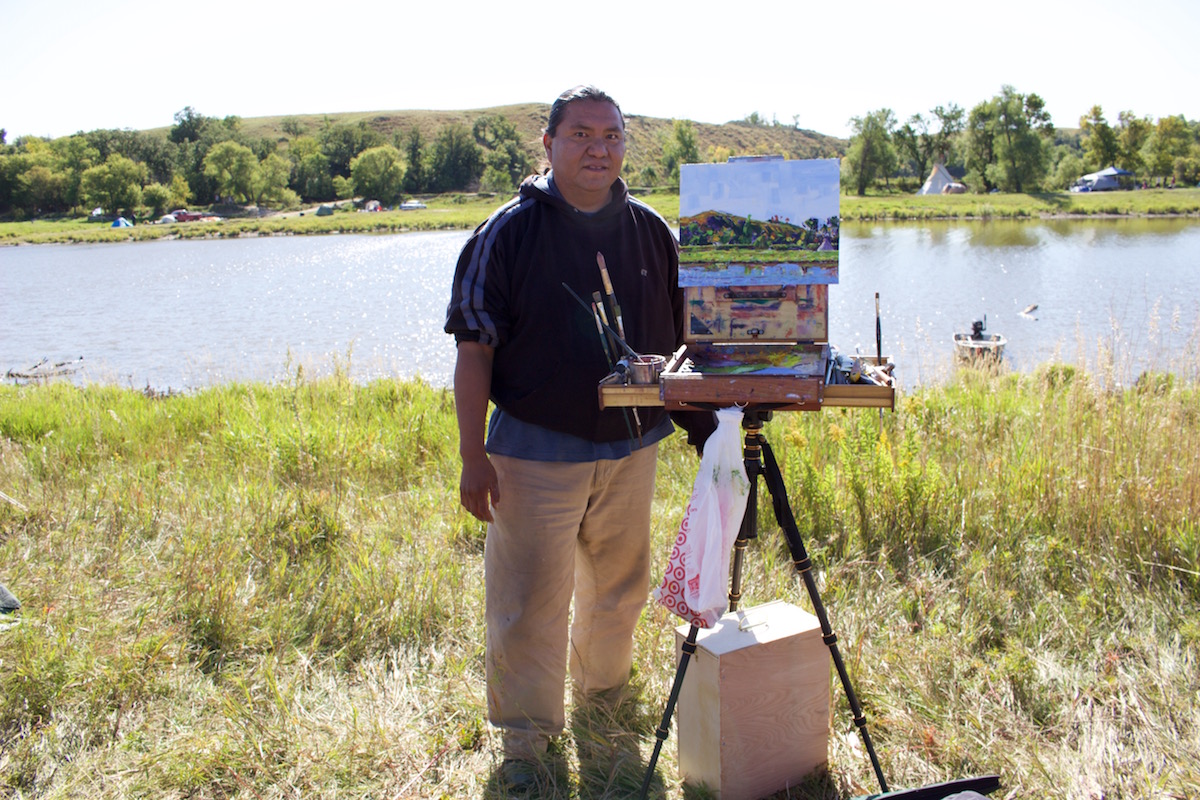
{"type": "Point", "coordinates": [759, 222]}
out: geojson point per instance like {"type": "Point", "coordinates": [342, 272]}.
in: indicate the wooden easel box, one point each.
{"type": "Point", "coordinates": [753, 711]}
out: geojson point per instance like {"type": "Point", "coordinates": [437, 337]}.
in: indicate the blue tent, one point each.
{"type": "Point", "coordinates": [121, 222]}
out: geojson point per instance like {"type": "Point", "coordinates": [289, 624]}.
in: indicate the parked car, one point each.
{"type": "Point", "coordinates": [183, 215]}
{"type": "Point", "coordinates": [409, 205]}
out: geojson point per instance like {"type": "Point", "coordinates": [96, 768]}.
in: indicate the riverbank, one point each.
{"type": "Point", "coordinates": [466, 211]}
{"type": "Point", "coordinates": [269, 590]}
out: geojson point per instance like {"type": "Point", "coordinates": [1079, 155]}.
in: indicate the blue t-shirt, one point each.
{"type": "Point", "coordinates": [509, 436]}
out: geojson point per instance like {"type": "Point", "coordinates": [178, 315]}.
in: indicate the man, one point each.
{"type": "Point", "coordinates": [564, 486]}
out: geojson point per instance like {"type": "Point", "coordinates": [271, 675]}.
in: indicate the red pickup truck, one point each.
{"type": "Point", "coordinates": [183, 215]}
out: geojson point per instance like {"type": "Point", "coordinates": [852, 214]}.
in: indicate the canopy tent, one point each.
{"type": "Point", "coordinates": [1102, 181]}
{"type": "Point", "coordinates": [940, 181]}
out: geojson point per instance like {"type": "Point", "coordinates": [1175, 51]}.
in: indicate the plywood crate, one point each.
{"type": "Point", "coordinates": [753, 711]}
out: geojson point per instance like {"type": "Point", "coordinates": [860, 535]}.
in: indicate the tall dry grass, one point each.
{"type": "Point", "coordinates": [270, 591]}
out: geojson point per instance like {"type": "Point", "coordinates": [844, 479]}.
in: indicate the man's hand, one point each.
{"type": "Point", "coordinates": [478, 486]}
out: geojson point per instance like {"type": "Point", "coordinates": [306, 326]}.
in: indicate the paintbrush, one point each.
{"type": "Point", "coordinates": [597, 315]}
{"type": "Point", "coordinates": [624, 346]}
{"type": "Point", "coordinates": [612, 298]}
{"type": "Point", "coordinates": [598, 302]}
{"type": "Point", "coordinates": [603, 338]}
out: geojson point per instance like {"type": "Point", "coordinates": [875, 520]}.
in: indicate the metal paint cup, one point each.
{"type": "Point", "coordinates": [646, 369]}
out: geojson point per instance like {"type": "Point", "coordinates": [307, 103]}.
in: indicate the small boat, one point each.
{"type": "Point", "coordinates": [977, 346]}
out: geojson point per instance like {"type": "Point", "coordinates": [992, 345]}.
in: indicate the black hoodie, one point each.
{"type": "Point", "coordinates": [508, 293]}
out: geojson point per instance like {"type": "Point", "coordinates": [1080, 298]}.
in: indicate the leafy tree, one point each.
{"type": "Point", "coordinates": [341, 143]}
{"type": "Point", "coordinates": [1066, 171]}
{"type": "Point", "coordinates": [679, 149]}
{"type": "Point", "coordinates": [950, 124]}
{"type": "Point", "coordinates": [73, 155]}
{"type": "Point", "coordinates": [292, 126]}
{"type": "Point", "coordinates": [456, 161]}
{"type": "Point", "coordinates": [915, 142]}
{"type": "Point", "coordinates": [42, 189]}
{"type": "Point", "coordinates": [502, 148]}
{"type": "Point", "coordinates": [189, 125]}
{"type": "Point", "coordinates": [34, 179]}
{"type": "Point", "coordinates": [416, 177]}
{"type": "Point", "coordinates": [922, 143]}
{"type": "Point", "coordinates": [1007, 141]}
{"type": "Point", "coordinates": [1100, 140]}
{"type": "Point", "coordinates": [495, 180]}
{"type": "Point", "coordinates": [115, 185]}
{"type": "Point", "coordinates": [870, 153]}
{"type": "Point", "coordinates": [980, 146]}
{"type": "Point", "coordinates": [343, 188]}
{"type": "Point", "coordinates": [311, 178]}
{"type": "Point", "coordinates": [1170, 140]}
{"type": "Point", "coordinates": [191, 155]}
{"type": "Point", "coordinates": [271, 181]}
{"type": "Point", "coordinates": [233, 170]}
{"type": "Point", "coordinates": [1132, 134]}
{"type": "Point", "coordinates": [378, 174]}
{"type": "Point", "coordinates": [157, 198]}
{"type": "Point", "coordinates": [1187, 170]}
{"type": "Point", "coordinates": [8, 178]}
{"type": "Point", "coordinates": [181, 194]}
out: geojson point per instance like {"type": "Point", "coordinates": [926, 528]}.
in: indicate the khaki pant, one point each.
{"type": "Point", "coordinates": [563, 529]}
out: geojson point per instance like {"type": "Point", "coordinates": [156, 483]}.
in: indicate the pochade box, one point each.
{"type": "Point", "coordinates": [753, 713]}
{"type": "Point", "coordinates": [758, 251]}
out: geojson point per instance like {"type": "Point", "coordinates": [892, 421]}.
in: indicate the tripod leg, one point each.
{"type": "Point", "coordinates": [664, 727]}
{"type": "Point", "coordinates": [752, 458]}
{"type": "Point", "coordinates": [791, 532]}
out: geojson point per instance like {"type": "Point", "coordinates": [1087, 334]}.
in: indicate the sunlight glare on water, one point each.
{"type": "Point", "coordinates": [186, 314]}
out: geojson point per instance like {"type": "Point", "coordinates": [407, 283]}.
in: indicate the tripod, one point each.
{"type": "Point", "coordinates": [760, 460]}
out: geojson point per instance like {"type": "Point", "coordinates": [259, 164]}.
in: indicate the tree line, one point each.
{"type": "Point", "coordinates": [1009, 143]}
{"type": "Point", "coordinates": [207, 160]}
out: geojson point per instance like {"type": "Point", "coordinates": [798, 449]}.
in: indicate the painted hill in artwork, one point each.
{"type": "Point", "coordinates": [721, 229]}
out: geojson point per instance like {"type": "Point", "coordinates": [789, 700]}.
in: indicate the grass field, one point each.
{"type": "Point", "coordinates": [465, 211]}
{"type": "Point", "coordinates": [270, 591]}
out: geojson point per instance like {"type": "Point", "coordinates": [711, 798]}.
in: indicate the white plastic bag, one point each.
{"type": "Point", "coordinates": [696, 582]}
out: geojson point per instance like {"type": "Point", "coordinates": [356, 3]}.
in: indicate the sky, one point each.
{"type": "Point", "coordinates": [794, 190]}
{"type": "Point", "coordinates": [77, 66]}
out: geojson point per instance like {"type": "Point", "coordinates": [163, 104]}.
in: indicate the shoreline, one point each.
{"type": "Point", "coordinates": [465, 212]}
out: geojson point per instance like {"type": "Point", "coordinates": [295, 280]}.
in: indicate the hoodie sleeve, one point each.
{"type": "Point", "coordinates": [478, 309]}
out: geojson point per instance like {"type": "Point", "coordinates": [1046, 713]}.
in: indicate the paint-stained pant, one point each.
{"type": "Point", "coordinates": [563, 529]}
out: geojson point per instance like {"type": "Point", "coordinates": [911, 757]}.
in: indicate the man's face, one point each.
{"type": "Point", "coordinates": [586, 153]}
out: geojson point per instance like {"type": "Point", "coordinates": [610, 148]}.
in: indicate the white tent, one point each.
{"type": "Point", "coordinates": [1102, 181]}
{"type": "Point", "coordinates": [940, 181]}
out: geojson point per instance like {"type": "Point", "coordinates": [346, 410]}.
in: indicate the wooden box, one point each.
{"type": "Point", "coordinates": [753, 711]}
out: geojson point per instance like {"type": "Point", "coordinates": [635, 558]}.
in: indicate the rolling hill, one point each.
{"type": "Point", "coordinates": [645, 134]}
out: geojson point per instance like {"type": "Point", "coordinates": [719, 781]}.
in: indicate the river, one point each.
{"type": "Point", "coordinates": [188, 314]}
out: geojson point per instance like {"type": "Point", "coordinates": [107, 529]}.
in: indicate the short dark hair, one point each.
{"type": "Point", "coordinates": [575, 95]}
